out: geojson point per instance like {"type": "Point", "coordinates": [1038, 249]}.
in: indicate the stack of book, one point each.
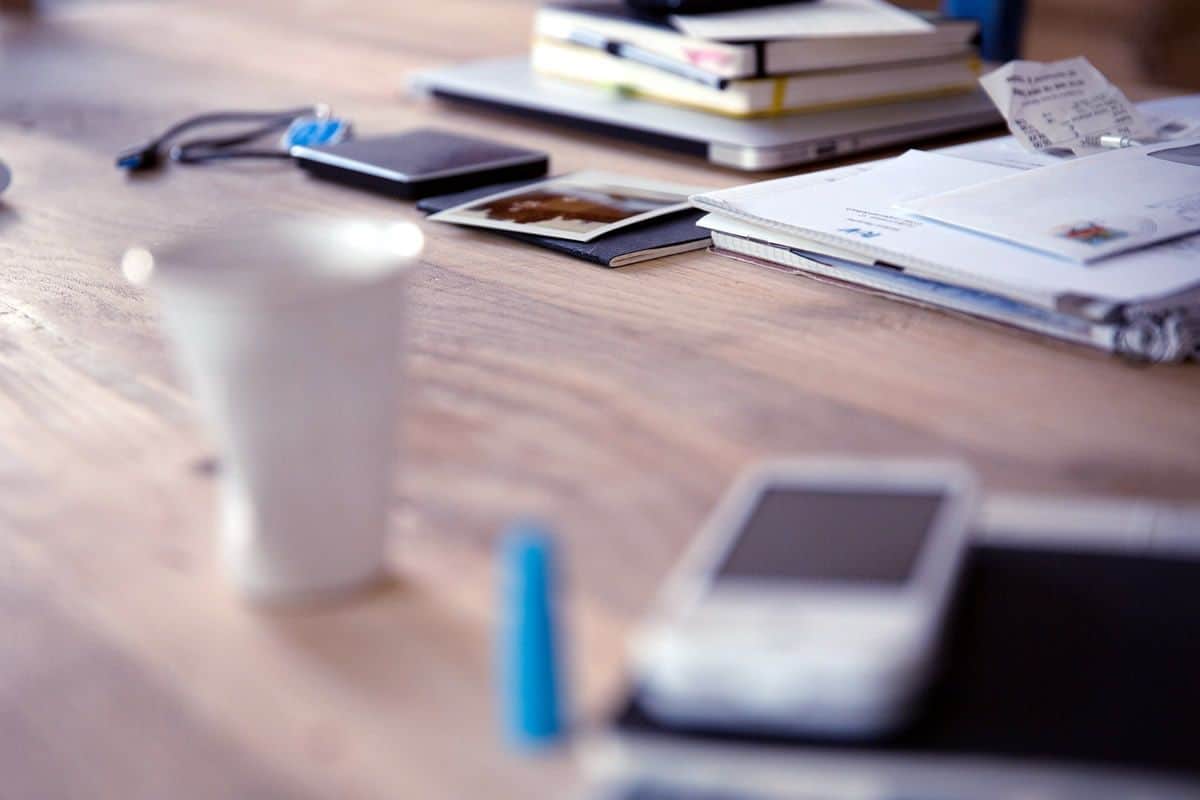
{"type": "Point", "coordinates": [797, 58]}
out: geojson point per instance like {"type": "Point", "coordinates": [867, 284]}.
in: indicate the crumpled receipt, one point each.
{"type": "Point", "coordinates": [1062, 105]}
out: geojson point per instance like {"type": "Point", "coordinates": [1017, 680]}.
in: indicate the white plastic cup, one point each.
{"type": "Point", "coordinates": [289, 331]}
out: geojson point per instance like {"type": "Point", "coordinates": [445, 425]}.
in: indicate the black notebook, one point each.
{"type": "Point", "coordinates": [661, 236]}
{"type": "Point", "coordinates": [1064, 662]}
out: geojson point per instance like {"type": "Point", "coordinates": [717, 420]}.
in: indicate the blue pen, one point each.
{"type": "Point", "coordinates": [530, 684]}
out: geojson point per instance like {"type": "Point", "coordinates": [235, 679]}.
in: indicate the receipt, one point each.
{"type": "Point", "coordinates": [1062, 104]}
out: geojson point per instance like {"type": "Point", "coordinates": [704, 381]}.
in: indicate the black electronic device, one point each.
{"type": "Point", "coordinates": [421, 162]}
{"type": "Point", "coordinates": [814, 599]}
{"type": "Point", "coordinates": [1069, 674]}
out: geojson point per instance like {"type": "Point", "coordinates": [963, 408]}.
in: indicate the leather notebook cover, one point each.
{"type": "Point", "coordinates": [653, 239]}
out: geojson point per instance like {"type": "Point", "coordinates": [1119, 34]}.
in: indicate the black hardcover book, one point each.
{"type": "Point", "coordinates": [662, 236]}
{"type": "Point", "coordinates": [617, 10]}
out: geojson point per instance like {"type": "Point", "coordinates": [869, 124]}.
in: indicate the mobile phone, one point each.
{"type": "Point", "coordinates": [813, 601]}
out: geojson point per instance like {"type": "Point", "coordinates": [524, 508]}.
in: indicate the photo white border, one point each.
{"type": "Point", "coordinates": [582, 179]}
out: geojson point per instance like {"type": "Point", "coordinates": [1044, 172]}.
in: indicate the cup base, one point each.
{"type": "Point", "coordinates": [282, 597]}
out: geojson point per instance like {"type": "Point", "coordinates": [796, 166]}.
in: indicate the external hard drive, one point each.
{"type": "Point", "coordinates": [421, 163]}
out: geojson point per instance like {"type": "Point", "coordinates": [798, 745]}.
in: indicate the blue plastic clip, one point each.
{"type": "Point", "coordinates": [311, 131]}
{"type": "Point", "coordinates": [530, 684]}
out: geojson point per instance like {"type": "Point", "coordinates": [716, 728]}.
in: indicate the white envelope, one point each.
{"type": "Point", "coordinates": [1085, 209]}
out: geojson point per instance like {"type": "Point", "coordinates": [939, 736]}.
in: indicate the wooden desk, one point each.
{"type": "Point", "coordinates": [615, 403]}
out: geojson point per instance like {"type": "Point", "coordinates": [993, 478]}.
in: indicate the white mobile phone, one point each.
{"type": "Point", "coordinates": [813, 601]}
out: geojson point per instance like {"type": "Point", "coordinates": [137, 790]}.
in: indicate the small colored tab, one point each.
{"type": "Point", "coordinates": [313, 131]}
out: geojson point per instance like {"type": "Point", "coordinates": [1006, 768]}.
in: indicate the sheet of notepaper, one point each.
{"type": "Point", "coordinates": [1060, 105]}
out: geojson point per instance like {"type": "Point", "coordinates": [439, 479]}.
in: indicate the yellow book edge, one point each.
{"type": "Point", "coordinates": [777, 108]}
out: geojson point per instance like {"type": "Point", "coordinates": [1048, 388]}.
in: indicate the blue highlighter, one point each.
{"type": "Point", "coordinates": [529, 682]}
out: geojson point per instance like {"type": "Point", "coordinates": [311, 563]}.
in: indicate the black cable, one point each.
{"type": "Point", "coordinates": [219, 117]}
{"type": "Point", "coordinates": [195, 151]}
{"type": "Point", "coordinates": [148, 155]}
{"type": "Point", "coordinates": [216, 155]}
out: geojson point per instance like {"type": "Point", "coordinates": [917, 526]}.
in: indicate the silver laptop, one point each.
{"type": "Point", "coordinates": [747, 144]}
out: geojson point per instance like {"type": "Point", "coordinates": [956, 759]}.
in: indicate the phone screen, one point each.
{"type": "Point", "coordinates": [831, 535]}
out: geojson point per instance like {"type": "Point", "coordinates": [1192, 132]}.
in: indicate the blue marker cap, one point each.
{"type": "Point", "coordinates": [528, 652]}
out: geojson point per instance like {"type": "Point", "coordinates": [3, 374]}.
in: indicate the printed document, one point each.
{"type": "Point", "coordinates": [857, 215]}
{"type": "Point", "coordinates": [1062, 105]}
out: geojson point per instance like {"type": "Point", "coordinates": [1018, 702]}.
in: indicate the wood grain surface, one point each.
{"type": "Point", "coordinates": [614, 403]}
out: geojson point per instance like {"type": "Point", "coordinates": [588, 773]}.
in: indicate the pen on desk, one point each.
{"type": "Point", "coordinates": [1114, 141]}
{"type": "Point", "coordinates": [638, 55]}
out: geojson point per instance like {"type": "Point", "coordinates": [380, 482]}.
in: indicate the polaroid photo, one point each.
{"type": "Point", "coordinates": [580, 207]}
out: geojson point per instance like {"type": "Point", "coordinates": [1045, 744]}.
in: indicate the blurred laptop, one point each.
{"type": "Point", "coordinates": [509, 84]}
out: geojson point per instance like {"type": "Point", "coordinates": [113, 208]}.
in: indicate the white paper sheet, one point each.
{"type": "Point", "coordinates": [856, 215]}
{"type": "Point", "coordinates": [1084, 209]}
{"type": "Point", "coordinates": [825, 261]}
{"type": "Point", "coordinates": [1062, 104]}
{"type": "Point", "coordinates": [822, 18]}
{"type": "Point", "coordinates": [1004, 151]}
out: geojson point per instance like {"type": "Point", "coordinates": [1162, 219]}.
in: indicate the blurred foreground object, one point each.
{"type": "Point", "coordinates": [289, 331]}
{"type": "Point", "coordinates": [1069, 675]}
{"type": "Point", "coordinates": [5, 176]}
{"type": "Point", "coordinates": [528, 638]}
{"type": "Point", "coordinates": [813, 601]}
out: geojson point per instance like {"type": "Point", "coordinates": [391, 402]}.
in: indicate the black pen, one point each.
{"type": "Point", "coordinates": [638, 55]}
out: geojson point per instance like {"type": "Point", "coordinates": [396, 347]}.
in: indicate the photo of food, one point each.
{"type": "Point", "coordinates": [581, 206]}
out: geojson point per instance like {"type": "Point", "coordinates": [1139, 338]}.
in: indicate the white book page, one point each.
{"type": "Point", "coordinates": [822, 18]}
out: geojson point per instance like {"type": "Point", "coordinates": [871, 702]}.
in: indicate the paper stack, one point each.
{"type": "Point", "coordinates": [791, 58]}
{"type": "Point", "coordinates": [1102, 250]}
